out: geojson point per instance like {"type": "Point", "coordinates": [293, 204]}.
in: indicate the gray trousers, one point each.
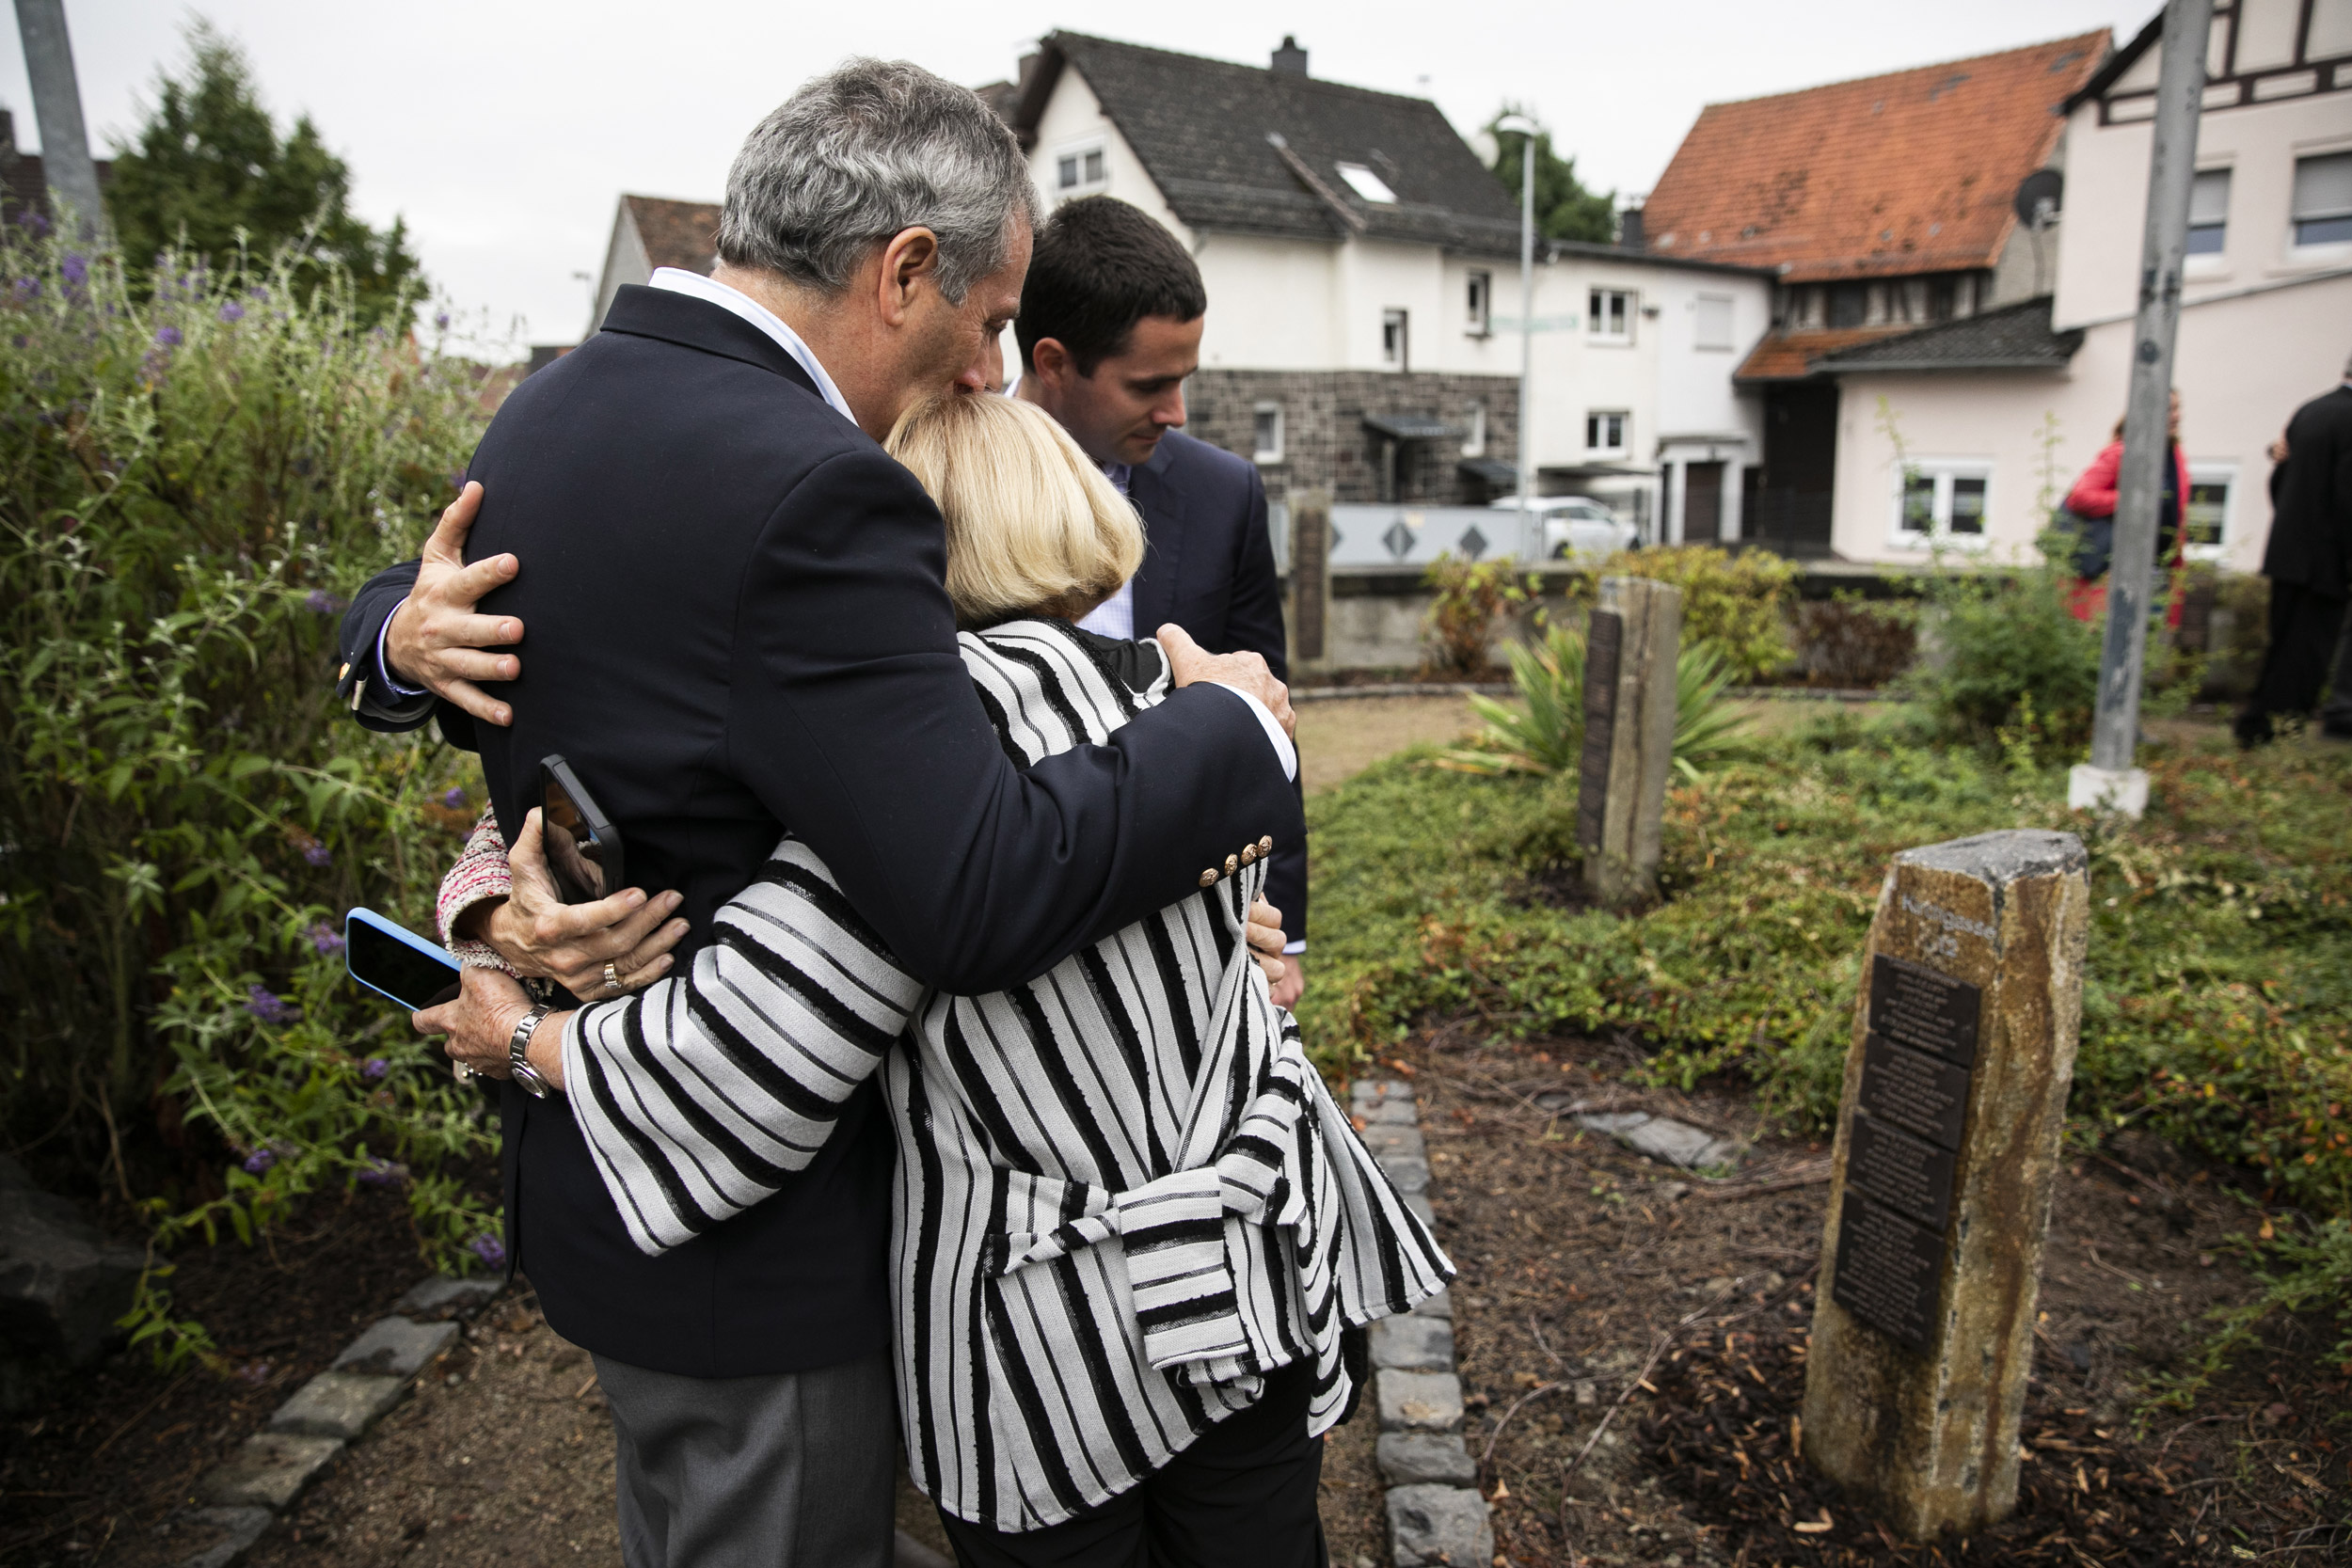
{"type": "Point", "coordinates": [790, 1470]}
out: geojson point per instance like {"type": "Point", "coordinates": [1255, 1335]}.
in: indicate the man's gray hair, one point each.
{"type": "Point", "coordinates": [862, 153]}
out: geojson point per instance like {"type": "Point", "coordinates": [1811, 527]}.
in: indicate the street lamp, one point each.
{"type": "Point", "coordinates": [1525, 128]}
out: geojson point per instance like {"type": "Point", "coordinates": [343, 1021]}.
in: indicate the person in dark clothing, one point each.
{"type": "Point", "coordinates": [2308, 563]}
{"type": "Point", "coordinates": [1111, 324]}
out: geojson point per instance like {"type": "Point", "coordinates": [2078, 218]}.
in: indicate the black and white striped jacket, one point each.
{"type": "Point", "coordinates": [1123, 1195]}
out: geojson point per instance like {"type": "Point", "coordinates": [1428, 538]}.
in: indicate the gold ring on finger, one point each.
{"type": "Point", "coordinates": [613, 980]}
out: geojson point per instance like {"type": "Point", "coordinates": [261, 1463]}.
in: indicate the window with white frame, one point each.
{"type": "Point", "coordinates": [1713, 327]}
{"type": "Point", "coordinates": [2323, 199]}
{"type": "Point", "coordinates": [1609, 314]}
{"type": "Point", "coordinates": [2212, 489]}
{"type": "Point", "coordinates": [1604, 432]}
{"type": "Point", "coordinates": [2209, 211]}
{"type": "Point", "coordinates": [1474, 429]}
{"type": "Point", "coordinates": [1394, 350]}
{"type": "Point", "coordinates": [1480, 298]}
{"type": "Point", "coordinates": [1079, 171]}
{"type": "Point", "coordinates": [1266, 433]}
{"type": "Point", "coordinates": [1367, 184]}
{"type": "Point", "coordinates": [1940, 501]}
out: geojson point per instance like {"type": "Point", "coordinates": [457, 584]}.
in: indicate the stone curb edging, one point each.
{"type": "Point", "coordinates": [1436, 1511]}
{"type": "Point", "coordinates": [311, 1431]}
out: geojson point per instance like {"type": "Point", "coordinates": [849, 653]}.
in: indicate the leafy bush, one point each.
{"type": "Point", "coordinates": [2003, 651]}
{"type": "Point", "coordinates": [1735, 602]}
{"type": "Point", "coordinates": [1848, 641]}
{"type": "Point", "coordinates": [194, 476]}
{"type": "Point", "coordinates": [1471, 597]}
{"type": "Point", "coordinates": [1548, 736]}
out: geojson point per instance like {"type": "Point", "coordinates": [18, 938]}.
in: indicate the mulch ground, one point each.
{"type": "Point", "coordinates": [94, 1471]}
{"type": "Point", "coordinates": [1631, 1341]}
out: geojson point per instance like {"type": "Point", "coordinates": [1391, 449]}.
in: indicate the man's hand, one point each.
{"type": "Point", "coordinates": [1189, 662]}
{"type": "Point", "coordinates": [434, 640]}
{"type": "Point", "coordinates": [1265, 941]}
{"type": "Point", "coordinates": [1292, 984]}
{"type": "Point", "coordinates": [481, 1022]}
{"type": "Point", "coordinates": [539, 934]}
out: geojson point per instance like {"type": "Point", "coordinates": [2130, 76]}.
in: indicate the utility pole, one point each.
{"type": "Point", "coordinates": [1525, 127]}
{"type": "Point", "coordinates": [2109, 782]}
{"type": "Point", "coordinates": [65, 158]}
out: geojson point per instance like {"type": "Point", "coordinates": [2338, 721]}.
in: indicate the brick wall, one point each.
{"type": "Point", "coordinates": [1324, 438]}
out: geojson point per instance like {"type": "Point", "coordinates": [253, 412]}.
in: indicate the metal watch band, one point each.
{"type": "Point", "coordinates": [518, 1049]}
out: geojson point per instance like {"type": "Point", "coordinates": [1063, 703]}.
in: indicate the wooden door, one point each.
{"type": "Point", "coordinates": [1702, 504]}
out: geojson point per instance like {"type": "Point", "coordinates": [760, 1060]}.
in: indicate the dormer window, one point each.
{"type": "Point", "coordinates": [1079, 171]}
{"type": "Point", "coordinates": [1367, 184]}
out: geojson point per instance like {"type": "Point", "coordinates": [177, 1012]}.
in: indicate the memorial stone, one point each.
{"type": "Point", "coordinates": [1631, 645]}
{"type": "Point", "coordinates": [1948, 1137]}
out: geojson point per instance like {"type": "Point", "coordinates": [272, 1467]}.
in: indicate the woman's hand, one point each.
{"type": "Point", "coordinates": [584, 948]}
{"type": "Point", "coordinates": [481, 1023]}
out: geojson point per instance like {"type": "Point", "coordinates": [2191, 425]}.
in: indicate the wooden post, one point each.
{"type": "Point", "coordinates": [1311, 575]}
{"type": "Point", "coordinates": [1947, 1141]}
{"type": "Point", "coordinates": [1631, 645]}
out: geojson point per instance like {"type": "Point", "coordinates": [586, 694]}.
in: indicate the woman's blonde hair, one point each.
{"type": "Point", "coordinates": [1033, 527]}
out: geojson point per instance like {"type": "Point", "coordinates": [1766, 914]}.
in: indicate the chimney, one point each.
{"type": "Point", "coordinates": [1290, 60]}
{"type": "Point", "coordinates": [1629, 235]}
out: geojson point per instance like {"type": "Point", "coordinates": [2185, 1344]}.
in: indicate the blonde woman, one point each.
{"type": "Point", "coordinates": [1133, 1231]}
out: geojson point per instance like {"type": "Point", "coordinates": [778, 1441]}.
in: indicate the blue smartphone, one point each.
{"type": "Point", "coordinates": [396, 963]}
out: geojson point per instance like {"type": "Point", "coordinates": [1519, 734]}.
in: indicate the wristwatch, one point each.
{"type": "Point", "coordinates": [518, 1059]}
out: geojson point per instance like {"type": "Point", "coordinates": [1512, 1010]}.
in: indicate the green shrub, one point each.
{"type": "Point", "coordinates": [1547, 736]}
{"type": "Point", "coordinates": [1469, 597]}
{"type": "Point", "coordinates": [1736, 602]}
{"type": "Point", "coordinates": [194, 479]}
{"type": "Point", "coordinates": [2003, 651]}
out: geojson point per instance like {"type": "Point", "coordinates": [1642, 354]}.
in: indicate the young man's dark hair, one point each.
{"type": "Point", "coordinates": [1100, 266]}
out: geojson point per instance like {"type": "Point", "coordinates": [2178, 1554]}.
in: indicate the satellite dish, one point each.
{"type": "Point", "coordinates": [2039, 196]}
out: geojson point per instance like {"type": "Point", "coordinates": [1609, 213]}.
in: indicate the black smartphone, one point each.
{"type": "Point", "coordinates": [584, 850]}
{"type": "Point", "coordinates": [396, 963]}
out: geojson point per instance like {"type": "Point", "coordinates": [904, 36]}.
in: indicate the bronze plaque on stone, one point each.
{"type": "Point", "coordinates": [1887, 1271]}
{"type": "Point", "coordinates": [1604, 643]}
{"type": "Point", "coordinates": [1919, 1093]}
{"type": "Point", "coordinates": [1901, 1171]}
{"type": "Point", "coordinates": [1913, 1004]}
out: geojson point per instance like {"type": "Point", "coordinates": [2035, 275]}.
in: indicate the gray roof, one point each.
{"type": "Point", "coordinates": [2012, 337]}
{"type": "Point", "coordinates": [1203, 129]}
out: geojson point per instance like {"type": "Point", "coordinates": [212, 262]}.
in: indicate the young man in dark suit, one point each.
{"type": "Point", "coordinates": [2308, 563]}
{"type": "Point", "coordinates": [738, 623]}
{"type": "Point", "coordinates": [1109, 328]}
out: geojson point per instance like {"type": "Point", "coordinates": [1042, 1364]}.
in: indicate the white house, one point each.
{"type": "Point", "coordinates": [1361, 268]}
{"type": "Point", "coordinates": [1966, 433]}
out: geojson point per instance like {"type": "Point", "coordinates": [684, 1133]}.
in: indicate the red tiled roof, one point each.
{"type": "Point", "coordinates": [1786, 356]}
{"type": "Point", "coordinates": [1906, 173]}
{"type": "Point", "coordinates": [676, 233]}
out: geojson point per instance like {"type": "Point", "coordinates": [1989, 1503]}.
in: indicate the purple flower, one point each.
{"type": "Point", "coordinates": [255, 1372]}
{"type": "Point", "coordinates": [492, 1251]}
{"type": "Point", "coordinates": [375, 1067]}
{"type": "Point", "coordinates": [455, 798]}
{"type": "Point", "coordinates": [28, 288]}
{"type": "Point", "coordinates": [267, 1007]}
{"type": "Point", "coordinates": [167, 337]}
{"type": "Point", "coordinates": [33, 221]}
{"type": "Point", "coordinates": [232, 311]}
{"type": "Point", "coordinates": [384, 1173]}
{"type": "Point", "coordinates": [259, 1161]}
{"type": "Point", "coordinates": [325, 937]}
{"type": "Point", "coordinates": [75, 269]}
{"type": "Point", "coordinates": [320, 602]}
{"type": "Point", "coordinates": [319, 854]}
{"type": "Point", "coordinates": [440, 319]}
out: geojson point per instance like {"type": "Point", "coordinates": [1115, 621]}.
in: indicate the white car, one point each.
{"type": "Point", "coordinates": [1577, 527]}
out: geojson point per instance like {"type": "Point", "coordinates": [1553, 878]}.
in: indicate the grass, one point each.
{"type": "Point", "coordinates": [2218, 1002]}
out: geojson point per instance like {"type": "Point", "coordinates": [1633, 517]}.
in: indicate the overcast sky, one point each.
{"type": "Point", "coordinates": [503, 129]}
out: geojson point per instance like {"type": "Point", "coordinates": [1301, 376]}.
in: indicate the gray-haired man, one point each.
{"type": "Point", "coordinates": [738, 625]}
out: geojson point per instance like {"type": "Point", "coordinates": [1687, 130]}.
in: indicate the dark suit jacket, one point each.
{"type": "Point", "coordinates": [2310, 525]}
{"type": "Point", "coordinates": [1209, 568]}
{"type": "Point", "coordinates": [737, 621]}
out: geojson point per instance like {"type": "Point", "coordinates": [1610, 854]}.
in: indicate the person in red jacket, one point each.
{"type": "Point", "coordinates": [2092, 501]}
